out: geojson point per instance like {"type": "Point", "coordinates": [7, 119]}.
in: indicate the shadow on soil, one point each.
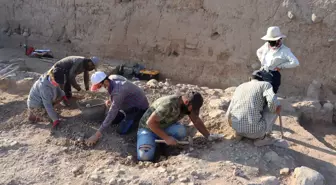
{"type": "Point", "coordinates": [328, 170]}
{"type": "Point", "coordinates": [320, 131]}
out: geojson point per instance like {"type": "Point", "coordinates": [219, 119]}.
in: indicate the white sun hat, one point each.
{"type": "Point", "coordinates": [97, 78]}
{"type": "Point", "coordinates": [273, 33]}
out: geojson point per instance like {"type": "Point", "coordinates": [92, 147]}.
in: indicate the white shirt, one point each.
{"type": "Point", "coordinates": [281, 57]}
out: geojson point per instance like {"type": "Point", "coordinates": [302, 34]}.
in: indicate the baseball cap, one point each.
{"type": "Point", "coordinates": [257, 74]}
{"type": "Point", "coordinates": [96, 79]}
{"type": "Point", "coordinates": [95, 60]}
{"type": "Point", "coordinates": [196, 100]}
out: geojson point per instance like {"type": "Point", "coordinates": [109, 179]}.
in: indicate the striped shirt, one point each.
{"type": "Point", "coordinates": [124, 95]}
{"type": "Point", "coordinates": [281, 57]}
{"type": "Point", "coordinates": [247, 105]}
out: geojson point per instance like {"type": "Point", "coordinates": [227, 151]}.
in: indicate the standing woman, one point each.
{"type": "Point", "coordinates": [275, 56]}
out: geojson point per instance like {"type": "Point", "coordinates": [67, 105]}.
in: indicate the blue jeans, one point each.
{"type": "Point", "coordinates": [146, 140]}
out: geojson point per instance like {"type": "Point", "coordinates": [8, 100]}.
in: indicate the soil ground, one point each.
{"type": "Point", "coordinates": [35, 154]}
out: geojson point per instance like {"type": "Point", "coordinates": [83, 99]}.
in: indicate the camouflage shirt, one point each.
{"type": "Point", "coordinates": [167, 108]}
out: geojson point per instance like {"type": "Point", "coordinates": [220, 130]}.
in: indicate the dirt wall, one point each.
{"type": "Point", "coordinates": [208, 42]}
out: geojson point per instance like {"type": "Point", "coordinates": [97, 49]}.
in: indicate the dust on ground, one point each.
{"type": "Point", "coordinates": [35, 154]}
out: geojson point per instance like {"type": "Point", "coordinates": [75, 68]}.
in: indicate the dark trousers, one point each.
{"type": "Point", "coordinates": [67, 86]}
{"type": "Point", "coordinates": [273, 77]}
{"type": "Point", "coordinates": [128, 119]}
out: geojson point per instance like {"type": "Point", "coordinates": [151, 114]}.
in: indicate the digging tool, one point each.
{"type": "Point", "coordinates": [281, 130]}
{"type": "Point", "coordinates": [189, 142]}
{"type": "Point", "coordinates": [89, 106]}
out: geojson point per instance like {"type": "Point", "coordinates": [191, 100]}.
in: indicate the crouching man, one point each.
{"type": "Point", "coordinates": [160, 121]}
{"type": "Point", "coordinates": [126, 105]}
{"type": "Point", "coordinates": [72, 66]}
{"type": "Point", "coordinates": [252, 110]}
{"type": "Point", "coordinates": [43, 95]}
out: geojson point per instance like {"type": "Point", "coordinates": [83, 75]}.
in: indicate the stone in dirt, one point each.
{"type": "Point", "coordinates": [152, 83]}
{"type": "Point", "coordinates": [229, 91]}
{"type": "Point", "coordinates": [273, 157]}
{"type": "Point", "coordinates": [316, 18]}
{"type": "Point", "coordinates": [112, 181]}
{"type": "Point", "coordinates": [313, 112]}
{"type": "Point", "coordinates": [284, 171]}
{"type": "Point", "coordinates": [184, 179]}
{"type": "Point", "coordinates": [78, 170]}
{"type": "Point", "coordinates": [314, 90]}
{"type": "Point", "coordinates": [95, 177]}
{"type": "Point", "coordinates": [216, 104]}
{"type": "Point", "coordinates": [281, 143]}
{"type": "Point", "coordinates": [161, 169]}
{"type": "Point", "coordinates": [216, 113]}
{"type": "Point", "coordinates": [171, 179]}
{"type": "Point", "coordinates": [307, 176]}
{"type": "Point", "coordinates": [270, 180]}
{"type": "Point", "coordinates": [290, 15]}
{"type": "Point", "coordinates": [250, 171]}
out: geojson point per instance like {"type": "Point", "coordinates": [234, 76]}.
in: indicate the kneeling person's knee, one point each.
{"type": "Point", "coordinates": [181, 132]}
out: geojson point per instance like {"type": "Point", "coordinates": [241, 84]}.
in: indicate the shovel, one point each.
{"type": "Point", "coordinates": [281, 129]}
{"type": "Point", "coordinates": [189, 142]}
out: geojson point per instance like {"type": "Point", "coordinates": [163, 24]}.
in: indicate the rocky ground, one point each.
{"type": "Point", "coordinates": [35, 154]}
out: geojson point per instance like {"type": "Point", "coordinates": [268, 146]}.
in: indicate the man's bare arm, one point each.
{"type": "Point", "coordinates": [199, 125]}
{"type": "Point", "coordinates": [154, 124]}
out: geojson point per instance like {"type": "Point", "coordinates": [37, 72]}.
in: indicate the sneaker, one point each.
{"type": "Point", "coordinates": [267, 140]}
{"type": "Point", "coordinates": [64, 103]}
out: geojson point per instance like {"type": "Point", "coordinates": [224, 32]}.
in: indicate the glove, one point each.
{"type": "Point", "coordinates": [65, 98]}
{"type": "Point", "coordinates": [55, 123]}
{"type": "Point", "coordinates": [65, 101]}
{"type": "Point", "coordinates": [213, 137]}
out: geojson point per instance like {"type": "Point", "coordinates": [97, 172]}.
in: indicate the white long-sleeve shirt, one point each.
{"type": "Point", "coordinates": [276, 58]}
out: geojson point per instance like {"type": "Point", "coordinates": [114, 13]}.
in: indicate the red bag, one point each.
{"type": "Point", "coordinates": [29, 50]}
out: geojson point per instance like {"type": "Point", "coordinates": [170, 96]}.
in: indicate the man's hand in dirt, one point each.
{"type": "Point", "coordinates": [278, 110]}
{"type": "Point", "coordinates": [171, 141]}
{"type": "Point", "coordinates": [56, 123]}
{"type": "Point", "coordinates": [93, 139]}
{"type": "Point", "coordinates": [108, 103]}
